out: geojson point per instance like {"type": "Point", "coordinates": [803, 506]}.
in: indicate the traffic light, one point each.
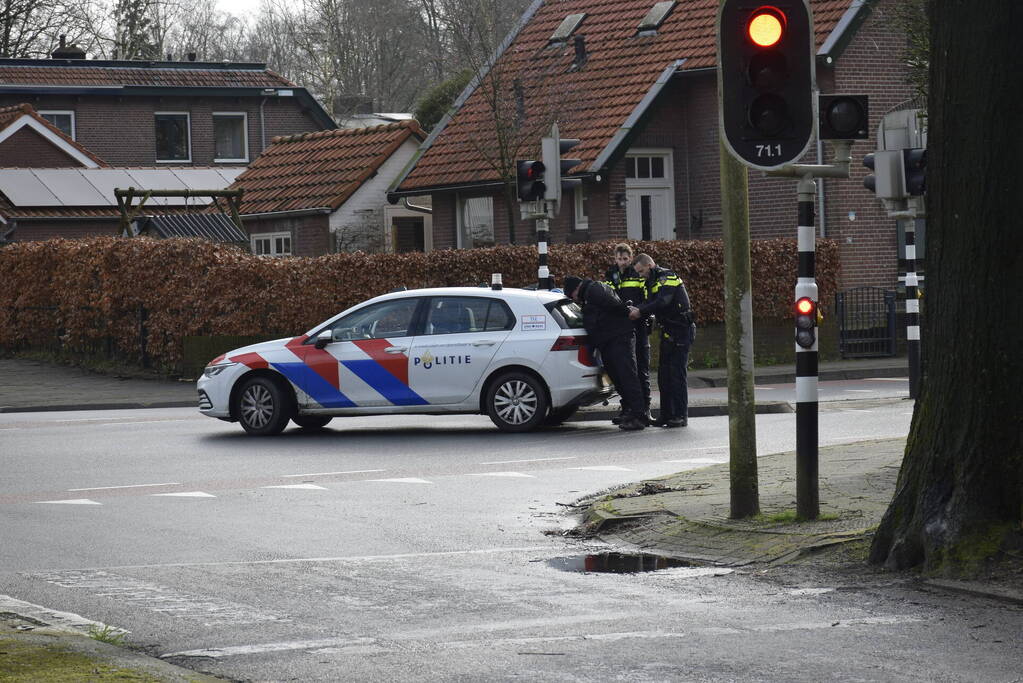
{"type": "Point", "coordinates": [887, 181]}
{"type": "Point", "coordinates": [558, 167]}
{"type": "Point", "coordinates": [806, 322]}
{"type": "Point", "coordinates": [870, 180]}
{"type": "Point", "coordinates": [914, 167]}
{"type": "Point", "coordinates": [529, 180]}
{"type": "Point", "coordinates": [766, 80]}
{"type": "Point", "coordinates": [843, 117]}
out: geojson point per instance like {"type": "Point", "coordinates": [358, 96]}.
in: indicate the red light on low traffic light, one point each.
{"type": "Point", "coordinates": [804, 306]}
{"type": "Point", "coordinates": [766, 26]}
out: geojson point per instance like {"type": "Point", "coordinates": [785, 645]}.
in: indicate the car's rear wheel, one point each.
{"type": "Point", "coordinates": [263, 407]}
{"type": "Point", "coordinates": [311, 422]}
{"type": "Point", "coordinates": [559, 415]}
{"type": "Point", "coordinates": [516, 402]}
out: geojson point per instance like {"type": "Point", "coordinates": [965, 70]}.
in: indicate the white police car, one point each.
{"type": "Point", "coordinates": [516, 355]}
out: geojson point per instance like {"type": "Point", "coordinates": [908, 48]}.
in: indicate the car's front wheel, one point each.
{"type": "Point", "coordinates": [263, 407]}
{"type": "Point", "coordinates": [311, 422]}
{"type": "Point", "coordinates": [516, 402]}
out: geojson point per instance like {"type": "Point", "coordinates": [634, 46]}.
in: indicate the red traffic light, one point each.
{"type": "Point", "coordinates": [766, 26]}
{"type": "Point", "coordinates": [805, 306]}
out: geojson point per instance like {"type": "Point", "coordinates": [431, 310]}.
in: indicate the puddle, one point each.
{"type": "Point", "coordinates": [616, 563]}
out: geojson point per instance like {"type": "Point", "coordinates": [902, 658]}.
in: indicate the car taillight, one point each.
{"type": "Point", "coordinates": [574, 344]}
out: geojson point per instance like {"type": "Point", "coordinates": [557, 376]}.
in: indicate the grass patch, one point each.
{"type": "Point", "coordinates": [790, 517]}
{"type": "Point", "coordinates": [25, 662]}
{"type": "Point", "coordinates": [108, 634]}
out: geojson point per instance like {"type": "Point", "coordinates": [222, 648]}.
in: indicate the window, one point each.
{"type": "Point", "coordinates": [582, 214]}
{"type": "Point", "coordinates": [646, 167]}
{"type": "Point", "coordinates": [230, 136]}
{"type": "Point", "coordinates": [379, 321]}
{"type": "Point", "coordinates": [275, 244]}
{"type": "Point", "coordinates": [656, 16]}
{"type": "Point", "coordinates": [173, 142]}
{"type": "Point", "coordinates": [567, 313]}
{"type": "Point", "coordinates": [454, 315]}
{"type": "Point", "coordinates": [476, 222]}
{"type": "Point", "coordinates": [64, 121]}
{"type": "Point", "coordinates": [566, 28]}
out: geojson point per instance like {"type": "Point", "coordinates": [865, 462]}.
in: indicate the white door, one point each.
{"type": "Point", "coordinates": [648, 213]}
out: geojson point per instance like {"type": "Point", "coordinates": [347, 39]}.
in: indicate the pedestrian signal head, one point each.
{"type": "Point", "coordinates": [766, 26]}
{"type": "Point", "coordinates": [806, 322]}
{"type": "Point", "coordinates": [529, 180]}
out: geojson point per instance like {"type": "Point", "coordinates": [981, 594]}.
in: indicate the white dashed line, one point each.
{"type": "Point", "coordinates": [508, 462]}
{"type": "Point", "coordinates": [186, 494]}
{"type": "Point", "coordinates": [501, 474]}
{"type": "Point", "coordinates": [329, 474]}
{"type": "Point", "coordinates": [127, 486]}
{"type": "Point", "coordinates": [74, 501]}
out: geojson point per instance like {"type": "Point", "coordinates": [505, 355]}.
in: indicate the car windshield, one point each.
{"type": "Point", "coordinates": [568, 314]}
{"type": "Point", "coordinates": [386, 319]}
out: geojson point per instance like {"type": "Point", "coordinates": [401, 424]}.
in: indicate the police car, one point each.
{"type": "Point", "coordinates": [516, 355]}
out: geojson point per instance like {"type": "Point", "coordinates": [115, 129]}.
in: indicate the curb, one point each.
{"type": "Point", "coordinates": [97, 406]}
{"type": "Point", "coordinates": [977, 590]}
{"type": "Point", "coordinates": [790, 377]}
{"type": "Point", "coordinates": [717, 410]}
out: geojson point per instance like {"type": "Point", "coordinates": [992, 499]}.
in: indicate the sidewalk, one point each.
{"type": "Point", "coordinates": [33, 386]}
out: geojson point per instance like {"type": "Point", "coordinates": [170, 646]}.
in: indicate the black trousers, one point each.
{"type": "Point", "coordinates": [643, 360]}
{"type": "Point", "coordinates": [671, 378]}
{"type": "Point", "coordinates": [619, 357]}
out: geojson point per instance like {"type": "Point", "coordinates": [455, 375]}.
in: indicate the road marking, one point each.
{"type": "Point", "coordinates": [329, 474]}
{"type": "Point", "coordinates": [856, 410]}
{"type": "Point", "coordinates": [74, 501]}
{"type": "Point", "coordinates": [127, 486]}
{"type": "Point", "coordinates": [507, 462]}
{"type": "Point", "coordinates": [219, 652]}
{"type": "Point", "coordinates": [186, 494]}
{"type": "Point", "coordinates": [699, 461]}
{"type": "Point", "coordinates": [765, 388]}
{"type": "Point", "coordinates": [404, 480]}
{"type": "Point", "coordinates": [603, 468]}
{"type": "Point", "coordinates": [501, 474]}
{"type": "Point", "coordinates": [353, 559]}
{"type": "Point", "coordinates": [297, 486]}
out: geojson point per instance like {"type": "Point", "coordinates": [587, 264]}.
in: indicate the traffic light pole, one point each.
{"type": "Point", "coordinates": [908, 220]}
{"type": "Point", "coordinates": [543, 273]}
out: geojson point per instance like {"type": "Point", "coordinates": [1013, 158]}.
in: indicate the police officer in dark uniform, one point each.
{"type": "Point", "coordinates": [668, 300]}
{"type": "Point", "coordinates": [608, 326]}
{"type": "Point", "coordinates": [631, 289]}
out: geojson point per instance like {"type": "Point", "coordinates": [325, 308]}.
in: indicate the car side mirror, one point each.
{"type": "Point", "coordinates": [324, 338]}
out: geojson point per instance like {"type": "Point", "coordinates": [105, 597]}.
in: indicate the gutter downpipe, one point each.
{"type": "Point", "coordinates": [415, 207]}
{"type": "Point", "coordinates": [262, 126]}
{"type": "Point", "coordinates": [820, 192]}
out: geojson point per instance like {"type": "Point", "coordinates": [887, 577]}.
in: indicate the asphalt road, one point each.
{"type": "Point", "coordinates": [413, 548]}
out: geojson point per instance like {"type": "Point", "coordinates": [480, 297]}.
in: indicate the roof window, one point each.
{"type": "Point", "coordinates": [656, 16]}
{"type": "Point", "coordinates": [567, 27]}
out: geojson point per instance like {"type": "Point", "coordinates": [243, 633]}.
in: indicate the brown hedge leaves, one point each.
{"type": "Point", "coordinates": [85, 292]}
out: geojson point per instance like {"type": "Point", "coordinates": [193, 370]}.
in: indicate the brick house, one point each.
{"type": "Point", "coordinates": [635, 81]}
{"type": "Point", "coordinates": [134, 113]}
{"type": "Point", "coordinates": [318, 193]}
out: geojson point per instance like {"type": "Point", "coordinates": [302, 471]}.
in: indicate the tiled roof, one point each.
{"type": "Point", "coordinates": [590, 103]}
{"type": "Point", "coordinates": [9, 115]}
{"type": "Point", "coordinates": [72, 73]}
{"type": "Point", "coordinates": [319, 170]}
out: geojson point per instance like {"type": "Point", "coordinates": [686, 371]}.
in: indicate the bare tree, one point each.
{"type": "Point", "coordinates": [30, 28]}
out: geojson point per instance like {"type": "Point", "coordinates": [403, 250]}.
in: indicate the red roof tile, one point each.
{"type": "Point", "coordinates": [590, 103]}
{"type": "Point", "coordinates": [8, 115]}
{"type": "Point", "coordinates": [60, 73]}
{"type": "Point", "coordinates": [319, 170]}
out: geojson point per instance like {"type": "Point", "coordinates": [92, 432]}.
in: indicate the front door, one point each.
{"type": "Point", "coordinates": [460, 336]}
{"type": "Point", "coordinates": [648, 214]}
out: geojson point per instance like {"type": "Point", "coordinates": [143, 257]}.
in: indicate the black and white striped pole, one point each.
{"type": "Point", "coordinates": [807, 488]}
{"type": "Point", "coordinates": [543, 273]}
{"type": "Point", "coordinates": [912, 308]}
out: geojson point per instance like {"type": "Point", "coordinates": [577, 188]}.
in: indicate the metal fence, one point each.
{"type": "Point", "coordinates": [866, 322]}
{"type": "Point", "coordinates": [50, 334]}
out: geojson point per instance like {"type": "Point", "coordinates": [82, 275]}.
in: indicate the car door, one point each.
{"type": "Point", "coordinates": [367, 365]}
{"type": "Point", "coordinates": [459, 338]}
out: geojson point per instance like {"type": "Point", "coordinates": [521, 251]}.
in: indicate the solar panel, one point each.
{"type": "Point", "coordinates": [71, 188]}
{"type": "Point", "coordinates": [106, 179]}
{"type": "Point", "coordinates": [200, 178]}
{"type": "Point", "coordinates": [23, 188]}
{"type": "Point", "coordinates": [159, 179]}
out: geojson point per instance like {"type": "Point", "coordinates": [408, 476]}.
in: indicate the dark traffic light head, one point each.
{"type": "Point", "coordinates": [529, 180]}
{"type": "Point", "coordinates": [843, 117]}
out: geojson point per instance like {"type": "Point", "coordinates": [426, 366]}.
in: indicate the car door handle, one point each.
{"type": "Point", "coordinates": [396, 349]}
{"type": "Point", "coordinates": [484, 342]}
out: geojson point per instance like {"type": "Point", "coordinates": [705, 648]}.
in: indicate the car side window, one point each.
{"type": "Point", "coordinates": [461, 314]}
{"type": "Point", "coordinates": [379, 321]}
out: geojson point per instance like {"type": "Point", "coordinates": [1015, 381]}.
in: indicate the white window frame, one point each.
{"type": "Point", "coordinates": [64, 112]}
{"type": "Point", "coordinates": [245, 136]}
{"type": "Point", "coordinates": [669, 167]}
{"type": "Point", "coordinates": [188, 127]}
{"type": "Point", "coordinates": [272, 237]}
{"type": "Point", "coordinates": [460, 201]}
{"type": "Point", "coordinates": [581, 222]}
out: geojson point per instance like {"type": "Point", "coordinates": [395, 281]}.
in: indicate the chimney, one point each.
{"type": "Point", "coordinates": [191, 56]}
{"type": "Point", "coordinates": [66, 51]}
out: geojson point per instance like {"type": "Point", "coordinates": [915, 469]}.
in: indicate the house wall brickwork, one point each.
{"type": "Point", "coordinates": [122, 131]}
{"type": "Point", "coordinates": [310, 235]}
{"type": "Point", "coordinates": [28, 149]}
{"type": "Point", "coordinates": [32, 230]}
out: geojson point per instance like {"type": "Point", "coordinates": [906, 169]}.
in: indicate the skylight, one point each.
{"type": "Point", "coordinates": [567, 27]}
{"type": "Point", "coordinates": [656, 16]}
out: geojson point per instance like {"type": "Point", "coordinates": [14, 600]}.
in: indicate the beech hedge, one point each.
{"type": "Point", "coordinates": [130, 295]}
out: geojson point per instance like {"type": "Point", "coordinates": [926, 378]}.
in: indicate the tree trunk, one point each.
{"type": "Point", "coordinates": [959, 498]}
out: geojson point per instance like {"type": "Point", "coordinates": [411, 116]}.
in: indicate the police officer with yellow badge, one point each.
{"type": "Point", "coordinates": [631, 289]}
{"type": "Point", "coordinates": [668, 300]}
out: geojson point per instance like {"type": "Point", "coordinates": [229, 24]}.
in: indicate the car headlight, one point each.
{"type": "Point", "coordinates": [214, 370]}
